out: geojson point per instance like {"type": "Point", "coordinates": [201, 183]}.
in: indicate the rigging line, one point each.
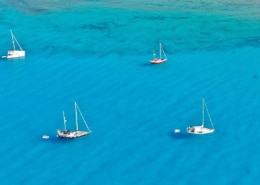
{"type": "Point", "coordinates": [83, 118]}
{"type": "Point", "coordinates": [209, 116]}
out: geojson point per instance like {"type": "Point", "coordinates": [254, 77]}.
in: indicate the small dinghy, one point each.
{"type": "Point", "coordinates": [45, 137]}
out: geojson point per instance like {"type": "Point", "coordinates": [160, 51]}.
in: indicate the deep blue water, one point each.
{"type": "Point", "coordinates": [97, 54]}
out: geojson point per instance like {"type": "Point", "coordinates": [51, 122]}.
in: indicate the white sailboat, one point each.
{"type": "Point", "coordinates": [201, 129]}
{"type": "Point", "coordinates": [73, 133]}
{"type": "Point", "coordinates": [15, 53]}
{"type": "Point", "coordinates": [160, 59]}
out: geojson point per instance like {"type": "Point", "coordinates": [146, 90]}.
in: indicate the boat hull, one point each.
{"type": "Point", "coordinates": [14, 54]}
{"type": "Point", "coordinates": [199, 130]}
{"type": "Point", "coordinates": [71, 134]}
{"type": "Point", "coordinates": [158, 61]}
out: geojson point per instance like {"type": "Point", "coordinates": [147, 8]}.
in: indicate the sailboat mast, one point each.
{"type": "Point", "coordinates": [12, 39]}
{"type": "Point", "coordinates": [203, 103]}
{"type": "Point", "coordinates": [64, 121]}
{"type": "Point", "coordinates": [76, 115]}
{"type": "Point", "coordinates": [160, 50]}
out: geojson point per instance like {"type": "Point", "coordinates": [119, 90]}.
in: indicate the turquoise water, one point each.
{"type": "Point", "coordinates": [97, 54]}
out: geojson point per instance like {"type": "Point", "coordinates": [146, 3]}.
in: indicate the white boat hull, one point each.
{"type": "Point", "coordinates": [45, 137]}
{"type": "Point", "coordinates": [199, 130]}
{"type": "Point", "coordinates": [158, 61]}
{"type": "Point", "coordinates": [15, 54]}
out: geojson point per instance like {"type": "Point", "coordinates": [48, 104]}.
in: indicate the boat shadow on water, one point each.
{"type": "Point", "coordinates": [179, 135]}
{"type": "Point", "coordinates": [146, 65]}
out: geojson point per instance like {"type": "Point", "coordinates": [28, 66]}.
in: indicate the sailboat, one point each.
{"type": "Point", "coordinates": [201, 129]}
{"type": "Point", "coordinates": [73, 133]}
{"type": "Point", "coordinates": [160, 59]}
{"type": "Point", "coordinates": [14, 53]}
